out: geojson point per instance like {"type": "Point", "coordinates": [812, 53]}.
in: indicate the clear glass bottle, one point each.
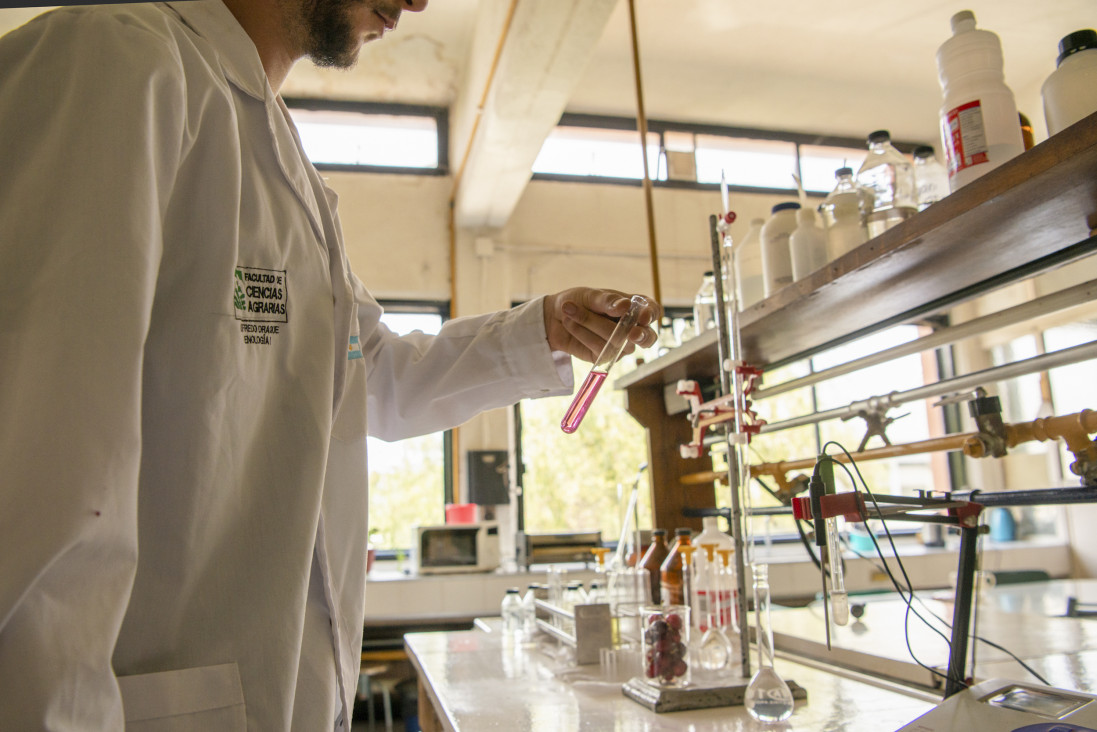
{"type": "Point", "coordinates": [529, 613]}
{"type": "Point", "coordinates": [670, 573]}
{"type": "Point", "coordinates": [888, 177]}
{"type": "Point", "coordinates": [511, 610]}
{"type": "Point", "coordinates": [749, 280]}
{"type": "Point", "coordinates": [667, 338]}
{"type": "Point", "coordinates": [844, 210]}
{"type": "Point", "coordinates": [768, 698]}
{"type": "Point", "coordinates": [704, 304]}
{"type": "Point", "coordinates": [930, 177]}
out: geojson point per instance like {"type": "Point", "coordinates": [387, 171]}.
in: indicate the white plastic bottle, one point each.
{"type": "Point", "coordinates": [844, 210]}
{"type": "Point", "coordinates": [710, 598]}
{"type": "Point", "coordinates": [930, 177]}
{"type": "Point", "coordinates": [807, 245]}
{"type": "Point", "coordinates": [979, 127]}
{"type": "Point", "coordinates": [888, 177]}
{"type": "Point", "coordinates": [1070, 93]}
{"type": "Point", "coordinates": [749, 280]}
{"type": "Point", "coordinates": [704, 304]}
{"type": "Point", "coordinates": [776, 256]}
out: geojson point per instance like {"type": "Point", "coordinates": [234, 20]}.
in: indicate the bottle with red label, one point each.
{"type": "Point", "coordinates": [979, 128]}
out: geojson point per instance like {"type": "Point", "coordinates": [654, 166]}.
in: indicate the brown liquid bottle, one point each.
{"type": "Point", "coordinates": [652, 560]}
{"type": "Point", "coordinates": [671, 571]}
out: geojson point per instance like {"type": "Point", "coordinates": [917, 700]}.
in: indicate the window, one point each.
{"type": "Point", "coordinates": [819, 162]}
{"type": "Point", "coordinates": [680, 154]}
{"type": "Point", "coordinates": [407, 479]}
{"type": "Point", "coordinates": [746, 163]}
{"type": "Point", "coordinates": [587, 151]}
{"type": "Point", "coordinates": [372, 137]}
{"type": "Point", "coordinates": [582, 481]}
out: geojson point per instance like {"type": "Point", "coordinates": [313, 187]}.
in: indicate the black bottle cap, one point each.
{"type": "Point", "coordinates": [843, 171]}
{"type": "Point", "coordinates": [658, 532]}
{"type": "Point", "coordinates": [923, 151]}
{"type": "Point", "coordinates": [1077, 41]}
{"type": "Point", "coordinates": [879, 136]}
{"type": "Point", "coordinates": [787, 205]}
{"type": "Point", "coordinates": [683, 532]}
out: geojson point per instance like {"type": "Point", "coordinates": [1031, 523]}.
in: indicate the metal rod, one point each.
{"type": "Point", "coordinates": [1054, 302]}
{"type": "Point", "coordinates": [642, 123]}
{"type": "Point", "coordinates": [961, 616]}
{"type": "Point", "coordinates": [729, 385]}
{"type": "Point", "coordinates": [1024, 367]}
{"type": "Point", "coordinates": [1044, 497]}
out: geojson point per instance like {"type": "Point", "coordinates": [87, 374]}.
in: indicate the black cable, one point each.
{"type": "Point", "coordinates": [907, 600]}
{"type": "Point", "coordinates": [910, 586]}
{"type": "Point", "coordinates": [945, 623]}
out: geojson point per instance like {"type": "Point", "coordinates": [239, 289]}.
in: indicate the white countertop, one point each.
{"type": "Point", "coordinates": [477, 683]}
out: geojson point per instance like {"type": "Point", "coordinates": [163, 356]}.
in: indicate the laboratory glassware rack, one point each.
{"type": "Point", "coordinates": [1033, 214]}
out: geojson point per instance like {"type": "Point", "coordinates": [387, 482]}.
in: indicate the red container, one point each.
{"type": "Point", "coordinates": [461, 513]}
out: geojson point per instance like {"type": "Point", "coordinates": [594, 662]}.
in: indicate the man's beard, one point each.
{"type": "Point", "coordinates": [331, 38]}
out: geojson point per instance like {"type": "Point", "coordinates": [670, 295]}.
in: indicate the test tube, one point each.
{"type": "Point", "coordinates": [598, 372]}
{"type": "Point", "coordinates": [839, 600]}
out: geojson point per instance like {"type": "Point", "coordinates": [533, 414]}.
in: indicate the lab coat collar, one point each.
{"type": "Point", "coordinates": [212, 20]}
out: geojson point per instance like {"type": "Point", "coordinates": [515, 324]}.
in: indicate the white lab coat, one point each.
{"type": "Point", "coordinates": [184, 358]}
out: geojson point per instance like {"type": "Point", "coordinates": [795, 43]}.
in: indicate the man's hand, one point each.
{"type": "Point", "coordinates": [580, 320]}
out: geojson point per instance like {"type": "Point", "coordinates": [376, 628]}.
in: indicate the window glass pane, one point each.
{"type": "Point", "coordinates": [406, 478]}
{"type": "Point", "coordinates": [582, 481]}
{"type": "Point", "coordinates": [598, 152]}
{"type": "Point", "coordinates": [818, 163]}
{"type": "Point", "coordinates": [745, 162]}
{"type": "Point", "coordinates": [356, 138]}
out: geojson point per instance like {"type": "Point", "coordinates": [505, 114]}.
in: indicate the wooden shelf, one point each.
{"type": "Point", "coordinates": [1034, 213]}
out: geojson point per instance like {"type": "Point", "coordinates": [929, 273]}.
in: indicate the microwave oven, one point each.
{"type": "Point", "coordinates": [458, 548]}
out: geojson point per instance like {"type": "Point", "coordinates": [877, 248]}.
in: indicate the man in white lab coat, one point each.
{"type": "Point", "coordinates": [186, 368]}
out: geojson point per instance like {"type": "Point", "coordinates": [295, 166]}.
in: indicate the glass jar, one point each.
{"type": "Point", "coordinates": [664, 645]}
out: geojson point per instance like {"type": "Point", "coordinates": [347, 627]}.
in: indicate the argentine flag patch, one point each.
{"type": "Point", "coordinates": [353, 349]}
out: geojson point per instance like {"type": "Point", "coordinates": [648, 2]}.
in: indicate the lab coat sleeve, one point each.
{"type": "Point", "coordinates": [420, 383]}
{"type": "Point", "coordinates": [90, 132]}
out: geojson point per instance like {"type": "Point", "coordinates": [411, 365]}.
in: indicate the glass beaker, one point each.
{"type": "Point", "coordinates": [665, 645]}
{"type": "Point", "coordinates": [768, 698]}
{"type": "Point", "coordinates": [612, 351]}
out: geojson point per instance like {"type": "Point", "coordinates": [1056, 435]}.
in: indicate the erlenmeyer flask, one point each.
{"type": "Point", "coordinates": [768, 698]}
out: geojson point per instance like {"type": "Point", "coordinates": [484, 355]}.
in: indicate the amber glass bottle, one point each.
{"type": "Point", "coordinates": [671, 571]}
{"type": "Point", "coordinates": [652, 561]}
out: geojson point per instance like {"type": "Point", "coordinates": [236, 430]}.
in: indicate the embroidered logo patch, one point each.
{"type": "Point", "coordinates": [260, 301]}
{"type": "Point", "coordinates": [261, 295]}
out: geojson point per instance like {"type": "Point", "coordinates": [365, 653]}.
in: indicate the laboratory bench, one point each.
{"type": "Point", "coordinates": [475, 680]}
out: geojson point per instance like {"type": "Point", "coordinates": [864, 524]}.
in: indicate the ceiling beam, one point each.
{"type": "Point", "coordinates": [543, 57]}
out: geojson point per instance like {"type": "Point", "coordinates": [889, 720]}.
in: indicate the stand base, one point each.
{"type": "Point", "coordinates": [661, 700]}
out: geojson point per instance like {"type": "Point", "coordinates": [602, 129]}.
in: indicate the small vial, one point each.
{"type": "Point", "coordinates": [612, 351]}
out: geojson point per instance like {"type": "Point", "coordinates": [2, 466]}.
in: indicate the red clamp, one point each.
{"type": "Point", "coordinates": [849, 505]}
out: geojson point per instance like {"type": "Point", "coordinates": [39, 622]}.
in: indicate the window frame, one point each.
{"type": "Point", "coordinates": [444, 311]}
{"type": "Point", "coordinates": [440, 115]}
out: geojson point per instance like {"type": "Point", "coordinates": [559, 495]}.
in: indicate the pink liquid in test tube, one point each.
{"type": "Point", "coordinates": [582, 401]}
{"type": "Point", "coordinates": [615, 346]}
